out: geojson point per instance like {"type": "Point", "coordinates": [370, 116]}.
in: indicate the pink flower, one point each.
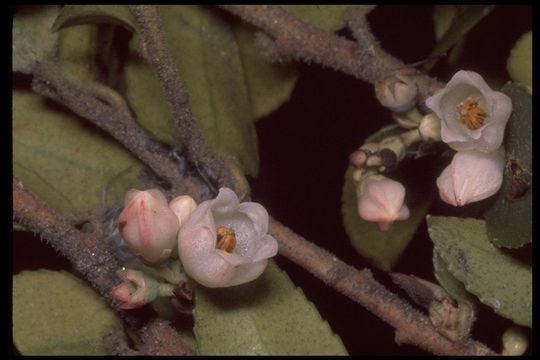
{"type": "Point", "coordinates": [135, 290]}
{"type": "Point", "coordinates": [225, 243]}
{"type": "Point", "coordinates": [473, 116]}
{"type": "Point", "coordinates": [471, 176]}
{"type": "Point", "coordinates": [148, 225]}
{"type": "Point", "coordinates": [381, 200]}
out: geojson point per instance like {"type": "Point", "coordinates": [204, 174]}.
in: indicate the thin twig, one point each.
{"type": "Point", "coordinates": [154, 49]}
{"type": "Point", "coordinates": [363, 59]}
{"type": "Point", "coordinates": [106, 109]}
{"type": "Point", "coordinates": [411, 326]}
{"type": "Point", "coordinates": [90, 258]}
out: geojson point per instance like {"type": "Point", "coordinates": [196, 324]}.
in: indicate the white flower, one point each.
{"type": "Point", "coordinates": [381, 200]}
{"type": "Point", "coordinates": [148, 225]}
{"type": "Point", "coordinates": [473, 116]}
{"type": "Point", "coordinates": [225, 243]}
{"type": "Point", "coordinates": [471, 176]}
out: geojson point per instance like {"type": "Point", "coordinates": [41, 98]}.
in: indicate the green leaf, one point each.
{"type": "Point", "coordinates": [465, 19]}
{"type": "Point", "coordinates": [326, 17]}
{"type": "Point", "coordinates": [383, 248]}
{"type": "Point", "coordinates": [453, 286]}
{"type": "Point", "coordinates": [33, 39]}
{"type": "Point", "coordinates": [77, 52]}
{"type": "Point", "coordinates": [519, 64]}
{"type": "Point", "coordinates": [509, 220]}
{"type": "Point", "coordinates": [206, 54]}
{"type": "Point", "coordinates": [268, 316]}
{"type": "Point", "coordinates": [90, 14]}
{"type": "Point", "coordinates": [269, 84]}
{"type": "Point", "coordinates": [55, 313]}
{"type": "Point", "coordinates": [66, 163]}
{"type": "Point", "coordinates": [497, 279]}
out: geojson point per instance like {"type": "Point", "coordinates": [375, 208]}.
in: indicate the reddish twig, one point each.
{"type": "Point", "coordinates": [411, 326]}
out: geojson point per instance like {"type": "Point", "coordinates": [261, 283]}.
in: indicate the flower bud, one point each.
{"type": "Point", "coordinates": [148, 225]}
{"type": "Point", "coordinates": [135, 290]}
{"type": "Point", "coordinates": [381, 200]}
{"type": "Point", "coordinates": [471, 176]}
{"type": "Point", "coordinates": [430, 127]}
{"type": "Point", "coordinates": [398, 91]}
{"type": "Point", "coordinates": [182, 206]}
{"type": "Point", "coordinates": [514, 342]}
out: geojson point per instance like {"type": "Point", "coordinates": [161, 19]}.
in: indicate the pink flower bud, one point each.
{"type": "Point", "coordinates": [381, 200]}
{"type": "Point", "coordinates": [471, 176]}
{"type": "Point", "coordinates": [182, 206]}
{"type": "Point", "coordinates": [148, 225]}
{"type": "Point", "coordinates": [225, 243]}
{"type": "Point", "coordinates": [135, 290]}
{"type": "Point", "coordinates": [473, 116]}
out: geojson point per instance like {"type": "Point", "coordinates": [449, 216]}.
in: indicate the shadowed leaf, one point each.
{"type": "Point", "coordinates": [509, 220]}
{"type": "Point", "coordinates": [33, 39]}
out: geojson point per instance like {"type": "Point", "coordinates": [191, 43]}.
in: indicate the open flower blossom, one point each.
{"type": "Point", "coordinates": [148, 225]}
{"type": "Point", "coordinates": [473, 116]}
{"type": "Point", "coordinates": [224, 242]}
{"type": "Point", "coordinates": [381, 200]}
{"type": "Point", "coordinates": [471, 176]}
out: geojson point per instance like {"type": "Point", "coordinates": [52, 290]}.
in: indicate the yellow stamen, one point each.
{"type": "Point", "coordinates": [471, 114]}
{"type": "Point", "coordinates": [226, 239]}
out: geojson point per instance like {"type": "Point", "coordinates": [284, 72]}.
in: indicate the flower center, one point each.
{"type": "Point", "coordinates": [226, 239]}
{"type": "Point", "coordinates": [471, 114]}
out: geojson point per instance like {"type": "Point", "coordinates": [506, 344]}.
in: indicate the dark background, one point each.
{"type": "Point", "coordinates": [304, 148]}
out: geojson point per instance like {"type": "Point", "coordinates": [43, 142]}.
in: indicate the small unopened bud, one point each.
{"type": "Point", "coordinates": [182, 206]}
{"type": "Point", "coordinates": [514, 342]}
{"type": "Point", "coordinates": [471, 176]}
{"type": "Point", "coordinates": [430, 127]}
{"type": "Point", "coordinates": [148, 225]}
{"type": "Point", "coordinates": [398, 91]}
{"type": "Point", "coordinates": [381, 200]}
{"type": "Point", "coordinates": [135, 290]}
{"type": "Point", "coordinates": [358, 158]}
{"type": "Point", "coordinates": [408, 120]}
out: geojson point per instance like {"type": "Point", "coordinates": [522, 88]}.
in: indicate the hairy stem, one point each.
{"type": "Point", "coordinates": [154, 49]}
{"type": "Point", "coordinates": [106, 109]}
{"type": "Point", "coordinates": [363, 59]}
{"type": "Point", "coordinates": [411, 326]}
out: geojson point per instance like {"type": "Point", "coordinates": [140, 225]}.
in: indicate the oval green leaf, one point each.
{"type": "Point", "coordinates": [64, 161]}
{"type": "Point", "coordinates": [33, 39]}
{"type": "Point", "coordinates": [204, 49]}
{"type": "Point", "coordinates": [509, 220]}
{"type": "Point", "coordinates": [56, 313]}
{"type": "Point", "coordinates": [519, 64]}
{"type": "Point", "coordinates": [269, 316]}
{"type": "Point", "coordinates": [93, 14]}
{"type": "Point", "coordinates": [383, 248]}
{"type": "Point", "coordinates": [497, 279]}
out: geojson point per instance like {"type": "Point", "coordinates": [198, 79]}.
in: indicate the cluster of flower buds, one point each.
{"type": "Point", "coordinates": [220, 242]}
{"type": "Point", "coordinates": [473, 118]}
